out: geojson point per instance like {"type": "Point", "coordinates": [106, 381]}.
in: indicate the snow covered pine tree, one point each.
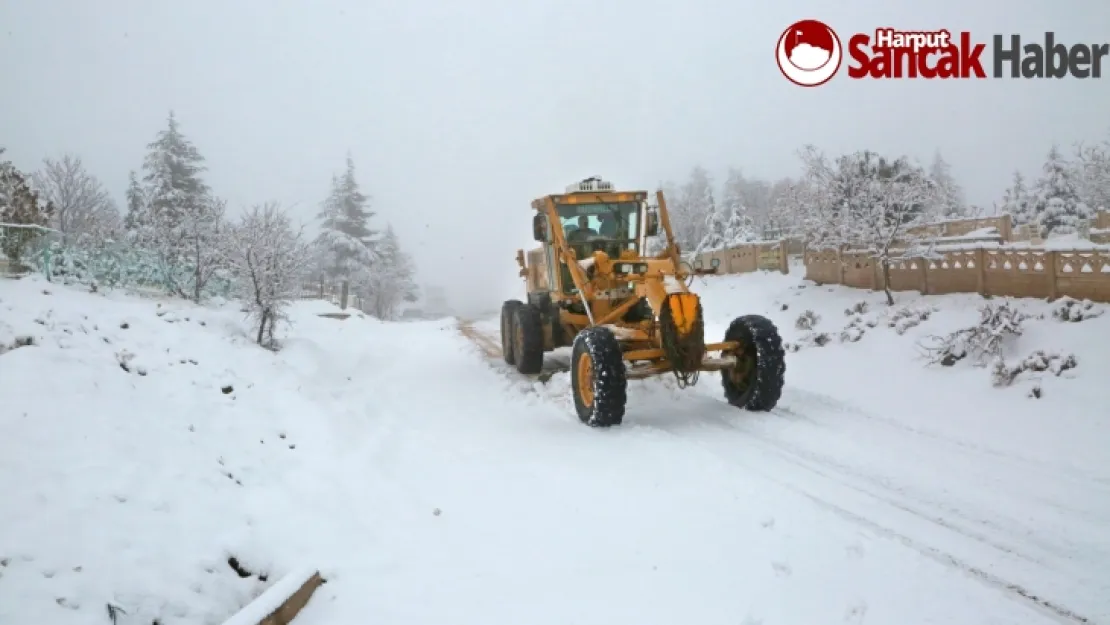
{"type": "Point", "coordinates": [347, 243]}
{"type": "Point", "coordinates": [1057, 196]}
{"type": "Point", "coordinates": [175, 215]}
{"type": "Point", "coordinates": [23, 216]}
{"type": "Point", "coordinates": [391, 279]}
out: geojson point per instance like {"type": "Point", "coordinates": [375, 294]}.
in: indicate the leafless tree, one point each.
{"type": "Point", "coordinates": [866, 202]}
{"type": "Point", "coordinates": [204, 232]}
{"type": "Point", "coordinates": [268, 256]}
{"type": "Point", "coordinates": [82, 207]}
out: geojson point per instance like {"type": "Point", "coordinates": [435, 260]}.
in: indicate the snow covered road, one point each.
{"type": "Point", "coordinates": [696, 512]}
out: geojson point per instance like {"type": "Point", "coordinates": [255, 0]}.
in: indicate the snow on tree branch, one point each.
{"type": "Point", "coordinates": [389, 281]}
{"type": "Point", "coordinates": [267, 256]}
{"type": "Point", "coordinates": [20, 205]}
{"type": "Point", "coordinates": [1058, 206]}
{"type": "Point", "coordinates": [348, 245]}
{"type": "Point", "coordinates": [82, 206]}
{"type": "Point", "coordinates": [865, 201]}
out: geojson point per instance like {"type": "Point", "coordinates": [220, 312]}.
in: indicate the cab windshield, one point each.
{"type": "Point", "coordinates": [609, 227]}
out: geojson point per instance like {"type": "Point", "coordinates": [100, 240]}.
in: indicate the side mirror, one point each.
{"type": "Point", "coordinates": [539, 228]}
{"type": "Point", "coordinates": [651, 222]}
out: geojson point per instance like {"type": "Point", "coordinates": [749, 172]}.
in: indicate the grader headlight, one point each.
{"type": "Point", "coordinates": [631, 268]}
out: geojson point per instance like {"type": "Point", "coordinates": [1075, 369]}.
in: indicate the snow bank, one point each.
{"type": "Point", "coordinates": [886, 366]}
{"type": "Point", "coordinates": [143, 444]}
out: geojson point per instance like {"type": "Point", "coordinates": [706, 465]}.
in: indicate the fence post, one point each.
{"type": "Point", "coordinates": [923, 267]}
{"type": "Point", "coordinates": [981, 273]}
{"type": "Point", "coordinates": [1051, 262]}
{"type": "Point", "coordinates": [840, 264]}
{"type": "Point", "coordinates": [343, 296]}
{"type": "Point", "coordinates": [784, 260]}
{"type": "Point", "coordinates": [1007, 227]}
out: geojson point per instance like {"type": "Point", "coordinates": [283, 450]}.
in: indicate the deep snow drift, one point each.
{"type": "Point", "coordinates": [143, 445]}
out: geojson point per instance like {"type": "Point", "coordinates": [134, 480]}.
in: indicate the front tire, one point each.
{"type": "Point", "coordinates": [528, 339]}
{"type": "Point", "coordinates": [508, 311]}
{"type": "Point", "coordinates": [597, 377]}
{"type": "Point", "coordinates": [755, 382]}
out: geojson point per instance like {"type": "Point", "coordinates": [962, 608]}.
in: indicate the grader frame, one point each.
{"type": "Point", "coordinates": [631, 316]}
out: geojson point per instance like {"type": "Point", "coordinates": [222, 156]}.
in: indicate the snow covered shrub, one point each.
{"type": "Point", "coordinates": [853, 332]}
{"type": "Point", "coordinates": [1074, 310]}
{"type": "Point", "coordinates": [905, 318]}
{"type": "Point", "coordinates": [19, 341]}
{"type": "Point", "coordinates": [807, 320]}
{"type": "Point", "coordinates": [1039, 361]}
{"type": "Point", "coordinates": [858, 308]}
{"type": "Point", "coordinates": [813, 339]}
{"type": "Point", "coordinates": [983, 342]}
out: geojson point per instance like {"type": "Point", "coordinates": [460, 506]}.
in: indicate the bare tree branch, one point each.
{"type": "Point", "coordinates": [82, 207]}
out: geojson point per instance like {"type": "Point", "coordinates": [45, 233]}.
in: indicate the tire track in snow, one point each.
{"type": "Point", "coordinates": [489, 347]}
{"type": "Point", "coordinates": [1000, 463]}
{"type": "Point", "coordinates": [827, 403]}
{"type": "Point", "coordinates": [818, 493]}
{"type": "Point", "coordinates": [826, 471]}
{"type": "Point", "coordinates": [880, 488]}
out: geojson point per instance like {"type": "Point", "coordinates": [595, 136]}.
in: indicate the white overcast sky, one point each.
{"type": "Point", "coordinates": [459, 112]}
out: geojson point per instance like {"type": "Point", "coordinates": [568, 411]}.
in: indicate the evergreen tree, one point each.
{"type": "Point", "coordinates": [177, 219]}
{"type": "Point", "coordinates": [173, 169]}
{"type": "Point", "coordinates": [1057, 197]}
{"type": "Point", "coordinates": [136, 204]}
{"type": "Point", "coordinates": [23, 216]}
{"type": "Point", "coordinates": [1093, 174]}
{"type": "Point", "coordinates": [716, 235]}
{"type": "Point", "coordinates": [693, 210]}
{"type": "Point", "coordinates": [391, 277]}
{"type": "Point", "coordinates": [346, 237]}
{"type": "Point", "coordinates": [1018, 204]}
{"type": "Point", "coordinates": [356, 206]}
{"type": "Point", "coordinates": [950, 202]}
{"type": "Point", "coordinates": [739, 229]}
{"type": "Point", "coordinates": [733, 194]}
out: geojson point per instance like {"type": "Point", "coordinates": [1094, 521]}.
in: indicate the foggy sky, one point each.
{"type": "Point", "coordinates": [459, 112]}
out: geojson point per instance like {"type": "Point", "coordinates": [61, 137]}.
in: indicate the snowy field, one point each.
{"type": "Point", "coordinates": [145, 443]}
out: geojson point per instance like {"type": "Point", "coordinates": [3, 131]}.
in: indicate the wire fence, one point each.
{"type": "Point", "coordinates": [26, 249]}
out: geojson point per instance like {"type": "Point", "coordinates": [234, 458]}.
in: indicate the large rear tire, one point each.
{"type": "Point", "coordinates": [508, 311]}
{"type": "Point", "coordinates": [528, 339]}
{"type": "Point", "coordinates": [755, 382]}
{"type": "Point", "coordinates": [597, 377]}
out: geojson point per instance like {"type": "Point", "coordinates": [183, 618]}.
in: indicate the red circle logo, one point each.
{"type": "Point", "coordinates": [809, 53]}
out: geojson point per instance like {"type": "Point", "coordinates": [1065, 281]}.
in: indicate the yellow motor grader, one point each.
{"type": "Point", "coordinates": [626, 315]}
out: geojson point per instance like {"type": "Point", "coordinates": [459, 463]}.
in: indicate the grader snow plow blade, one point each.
{"type": "Point", "coordinates": [648, 363]}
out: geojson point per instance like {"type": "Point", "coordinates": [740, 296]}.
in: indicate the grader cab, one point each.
{"type": "Point", "coordinates": [626, 315]}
